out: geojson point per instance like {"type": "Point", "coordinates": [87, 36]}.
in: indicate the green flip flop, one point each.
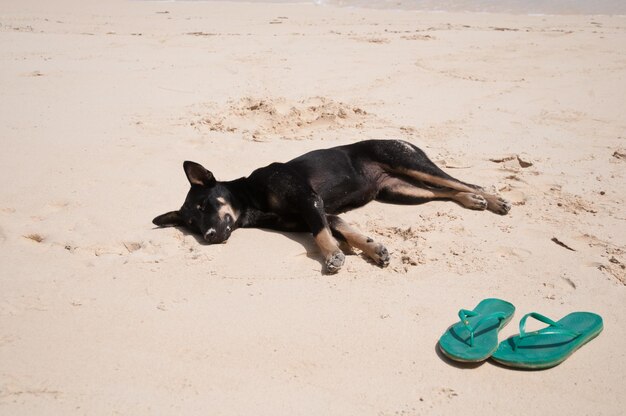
{"type": "Point", "coordinates": [549, 346]}
{"type": "Point", "coordinates": [475, 337]}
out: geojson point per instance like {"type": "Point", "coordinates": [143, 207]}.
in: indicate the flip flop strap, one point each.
{"type": "Point", "coordinates": [554, 328]}
{"type": "Point", "coordinates": [464, 314]}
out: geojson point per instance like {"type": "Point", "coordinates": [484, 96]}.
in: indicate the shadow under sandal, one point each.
{"type": "Point", "coordinates": [549, 346]}
{"type": "Point", "coordinates": [475, 337]}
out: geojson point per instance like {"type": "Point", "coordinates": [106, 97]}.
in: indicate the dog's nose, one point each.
{"type": "Point", "coordinates": [209, 234]}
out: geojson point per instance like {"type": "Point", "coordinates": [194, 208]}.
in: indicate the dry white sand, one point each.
{"type": "Point", "coordinates": [101, 313]}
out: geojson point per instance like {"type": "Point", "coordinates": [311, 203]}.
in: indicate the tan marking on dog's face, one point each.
{"type": "Point", "coordinates": [226, 208]}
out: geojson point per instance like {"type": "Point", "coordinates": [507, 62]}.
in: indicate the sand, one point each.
{"type": "Point", "coordinates": [101, 313]}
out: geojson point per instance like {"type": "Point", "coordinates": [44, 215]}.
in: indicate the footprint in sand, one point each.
{"type": "Point", "coordinates": [132, 246]}
{"type": "Point", "coordinates": [514, 195]}
{"type": "Point", "coordinates": [613, 260]}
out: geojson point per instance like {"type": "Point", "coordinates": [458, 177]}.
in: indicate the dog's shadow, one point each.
{"type": "Point", "coordinates": [184, 231]}
{"type": "Point", "coordinates": [303, 238]}
{"type": "Point", "coordinates": [306, 240]}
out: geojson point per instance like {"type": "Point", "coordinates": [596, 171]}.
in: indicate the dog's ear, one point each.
{"type": "Point", "coordinates": [169, 219]}
{"type": "Point", "coordinates": [198, 175]}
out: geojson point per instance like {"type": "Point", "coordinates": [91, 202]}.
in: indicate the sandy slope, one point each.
{"type": "Point", "coordinates": [100, 313]}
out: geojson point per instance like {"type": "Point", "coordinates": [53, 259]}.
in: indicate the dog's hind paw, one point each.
{"type": "Point", "coordinates": [334, 262]}
{"type": "Point", "coordinates": [475, 201]}
{"type": "Point", "coordinates": [499, 205]}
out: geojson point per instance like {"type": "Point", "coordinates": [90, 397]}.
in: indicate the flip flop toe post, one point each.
{"type": "Point", "coordinates": [475, 337]}
{"type": "Point", "coordinates": [551, 345]}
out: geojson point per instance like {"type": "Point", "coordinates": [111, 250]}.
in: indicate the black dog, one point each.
{"type": "Point", "coordinates": [307, 193]}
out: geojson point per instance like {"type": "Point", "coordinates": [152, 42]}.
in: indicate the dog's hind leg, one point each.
{"type": "Point", "coordinates": [399, 191]}
{"type": "Point", "coordinates": [342, 230]}
{"type": "Point", "coordinates": [404, 159]}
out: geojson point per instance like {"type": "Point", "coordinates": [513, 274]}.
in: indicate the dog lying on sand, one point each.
{"type": "Point", "coordinates": [308, 192]}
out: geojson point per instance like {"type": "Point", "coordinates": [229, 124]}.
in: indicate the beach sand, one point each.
{"type": "Point", "coordinates": [101, 313]}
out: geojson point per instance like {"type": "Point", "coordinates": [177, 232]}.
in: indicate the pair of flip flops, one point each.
{"type": "Point", "coordinates": [475, 337]}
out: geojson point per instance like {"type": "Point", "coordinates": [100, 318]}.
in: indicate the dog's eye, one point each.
{"type": "Point", "coordinates": [205, 205]}
{"type": "Point", "coordinates": [199, 207]}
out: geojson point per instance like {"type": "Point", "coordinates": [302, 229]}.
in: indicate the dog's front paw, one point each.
{"type": "Point", "coordinates": [334, 262]}
{"type": "Point", "coordinates": [382, 255]}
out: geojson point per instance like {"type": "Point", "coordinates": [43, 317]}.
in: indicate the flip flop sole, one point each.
{"type": "Point", "coordinates": [463, 360]}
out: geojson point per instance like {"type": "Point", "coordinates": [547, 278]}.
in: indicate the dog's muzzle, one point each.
{"type": "Point", "coordinates": [211, 236]}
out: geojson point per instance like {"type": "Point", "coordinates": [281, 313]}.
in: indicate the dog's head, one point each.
{"type": "Point", "coordinates": [207, 210]}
